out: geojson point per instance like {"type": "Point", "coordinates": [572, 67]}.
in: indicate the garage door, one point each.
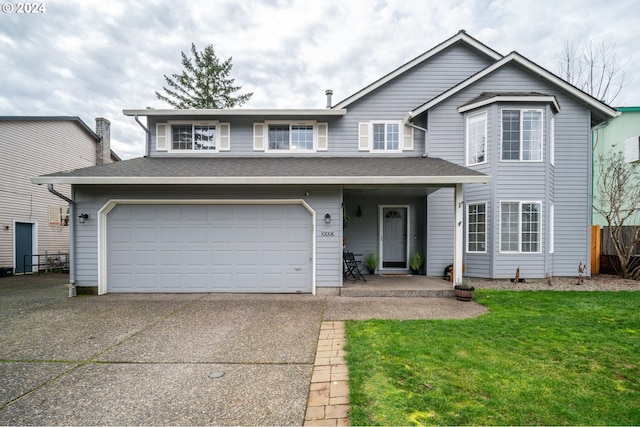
{"type": "Point", "coordinates": [209, 248]}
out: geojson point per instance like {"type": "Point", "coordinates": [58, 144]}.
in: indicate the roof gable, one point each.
{"type": "Point", "coordinates": [460, 37]}
{"type": "Point", "coordinates": [602, 110]}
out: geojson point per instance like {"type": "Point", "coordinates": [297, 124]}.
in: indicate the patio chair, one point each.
{"type": "Point", "coordinates": [351, 267]}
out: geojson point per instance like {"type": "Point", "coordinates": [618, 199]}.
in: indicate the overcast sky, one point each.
{"type": "Point", "coordinates": [92, 58]}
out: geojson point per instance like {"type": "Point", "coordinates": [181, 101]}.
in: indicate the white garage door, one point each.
{"type": "Point", "coordinates": [209, 248]}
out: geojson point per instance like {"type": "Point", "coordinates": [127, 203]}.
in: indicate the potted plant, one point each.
{"type": "Point", "coordinates": [415, 262]}
{"type": "Point", "coordinates": [371, 262]}
{"type": "Point", "coordinates": [464, 289]}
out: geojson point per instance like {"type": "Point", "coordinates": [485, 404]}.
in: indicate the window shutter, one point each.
{"type": "Point", "coordinates": [363, 136]}
{"type": "Point", "coordinates": [258, 136]}
{"type": "Point", "coordinates": [161, 137]}
{"type": "Point", "coordinates": [323, 136]}
{"type": "Point", "coordinates": [408, 138]}
{"type": "Point", "coordinates": [225, 137]}
{"type": "Point", "coordinates": [632, 149]}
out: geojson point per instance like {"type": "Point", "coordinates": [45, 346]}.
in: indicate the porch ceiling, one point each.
{"type": "Point", "coordinates": [389, 191]}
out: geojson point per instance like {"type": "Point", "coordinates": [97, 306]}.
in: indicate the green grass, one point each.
{"type": "Point", "coordinates": [537, 358]}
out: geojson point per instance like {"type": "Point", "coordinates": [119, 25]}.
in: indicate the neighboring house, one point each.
{"type": "Point", "coordinates": [462, 154]}
{"type": "Point", "coordinates": [33, 220]}
{"type": "Point", "coordinates": [620, 134]}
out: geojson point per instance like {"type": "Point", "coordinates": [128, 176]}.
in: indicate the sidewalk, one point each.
{"type": "Point", "coordinates": [328, 403]}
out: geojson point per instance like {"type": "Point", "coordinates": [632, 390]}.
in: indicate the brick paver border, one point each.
{"type": "Point", "coordinates": [328, 403]}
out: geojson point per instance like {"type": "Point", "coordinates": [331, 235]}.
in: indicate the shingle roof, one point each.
{"type": "Point", "coordinates": [265, 170]}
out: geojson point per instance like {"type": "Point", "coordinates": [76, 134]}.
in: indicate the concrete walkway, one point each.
{"type": "Point", "coordinates": [187, 359]}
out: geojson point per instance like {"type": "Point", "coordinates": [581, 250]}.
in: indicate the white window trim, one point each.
{"type": "Point", "coordinates": [169, 136]}
{"type": "Point", "coordinates": [486, 232]}
{"type": "Point", "coordinates": [313, 123]}
{"type": "Point", "coordinates": [486, 139]}
{"type": "Point", "coordinates": [542, 135]}
{"type": "Point", "coordinates": [365, 136]}
{"type": "Point", "coordinates": [552, 224]}
{"type": "Point", "coordinates": [520, 203]}
{"type": "Point", "coordinates": [552, 140]}
{"type": "Point", "coordinates": [385, 123]}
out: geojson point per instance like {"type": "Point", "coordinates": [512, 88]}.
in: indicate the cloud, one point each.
{"type": "Point", "coordinates": [92, 59]}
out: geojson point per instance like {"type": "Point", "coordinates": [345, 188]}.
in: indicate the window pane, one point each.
{"type": "Point", "coordinates": [509, 227]}
{"type": "Point", "coordinates": [278, 137]}
{"type": "Point", "coordinates": [531, 135]}
{"type": "Point", "coordinates": [510, 135]}
{"type": "Point", "coordinates": [476, 139]}
{"type": "Point", "coordinates": [205, 137]}
{"type": "Point", "coordinates": [393, 133]}
{"type": "Point", "coordinates": [530, 227]}
{"type": "Point", "coordinates": [378, 136]}
{"type": "Point", "coordinates": [181, 137]}
{"type": "Point", "coordinates": [476, 236]}
{"type": "Point", "coordinates": [301, 137]}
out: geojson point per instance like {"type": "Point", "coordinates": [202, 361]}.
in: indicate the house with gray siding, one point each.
{"type": "Point", "coordinates": [34, 221]}
{"type": "Point", "coordinates": [466, 156]}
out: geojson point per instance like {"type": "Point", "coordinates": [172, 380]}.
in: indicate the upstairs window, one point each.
{"type": "Point", "coordinates": [291, 137]}
{"type": "Point", "coordinates": [281, 136]}
{"type": "Point", "coordinates": [522, 135]}
{"type": "Point", "coordinates": [193, 137]}
{"type": "Point", "coordinates": [384, 137]}
{"type": "Point", "coordinates": [183, 137]}
{"type": "Point", "coordinates": [476, 139]}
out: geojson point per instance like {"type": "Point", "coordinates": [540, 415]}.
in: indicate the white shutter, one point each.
{"type": "Point", "coordinates": [224, 137]}
{"type": "Point", "coordinates": [323, 136]}
{"type": "Point", "coordinates": [408, 138]}
{"type": "Point", "coordinates": [258, 136]}
{"type": "Point", "coordinates": [161, 136]}
{"type": "Point", "coordinates": [363, 136]}
{"type": "Point", "coordinates": [632, 149]}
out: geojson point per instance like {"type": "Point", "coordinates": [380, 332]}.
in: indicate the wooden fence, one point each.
{"type": "Point", "coordinates": [603, 255]}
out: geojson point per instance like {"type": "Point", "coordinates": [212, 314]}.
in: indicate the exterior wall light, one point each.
{"type": "Point", "coordinates": [82, 217]}
{"type": "Point", "coordinates": [327, 219]}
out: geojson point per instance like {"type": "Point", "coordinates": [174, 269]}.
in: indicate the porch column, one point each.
{"type": "Point", "coordinates": [458, 236]}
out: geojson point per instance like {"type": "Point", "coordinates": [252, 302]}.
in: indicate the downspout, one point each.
{"type": "Point", "coordinates": [146, 145]}
{"type": "Point", "coordinates": [406, 122]}
{"type": "Point", "coordinates": [72, 239]}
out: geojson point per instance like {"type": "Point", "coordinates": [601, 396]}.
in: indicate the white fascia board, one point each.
{"type": "Point", "coordinates": [546, 99]}
{"type": "Point", "coordinates": [267, 180]}
{"type": "Point", "coordinates": [409, 65]}
{"type": "Point", "coordinates": [315, 112]}
{"type": "Point", "coordinates": [517, 58]}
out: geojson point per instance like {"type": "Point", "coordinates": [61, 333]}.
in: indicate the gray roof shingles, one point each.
{"type": "Point", "coordinates": [274, 167]}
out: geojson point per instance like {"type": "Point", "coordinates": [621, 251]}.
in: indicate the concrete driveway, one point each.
{"type": "Point", "coordinates": [166, 359]}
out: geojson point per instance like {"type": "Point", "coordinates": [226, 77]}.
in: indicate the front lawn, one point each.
{"type": "Point", "coordinates": [537, 358]}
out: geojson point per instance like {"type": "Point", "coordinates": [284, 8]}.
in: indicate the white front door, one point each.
{"type": "Point", "coordinates": [394, 236]}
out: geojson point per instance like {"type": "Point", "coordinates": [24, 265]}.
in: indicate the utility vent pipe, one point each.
{"type": "Point", "coordinates": [328, 92]}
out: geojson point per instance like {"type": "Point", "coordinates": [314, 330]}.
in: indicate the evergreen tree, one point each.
{"type": "Point", "coordinates": [203, 83]}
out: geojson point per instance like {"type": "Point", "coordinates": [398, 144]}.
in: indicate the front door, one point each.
{"type": "Point", "coordinates": [24, 244]}
{"type": "Point", "coordinates": [394, 237]}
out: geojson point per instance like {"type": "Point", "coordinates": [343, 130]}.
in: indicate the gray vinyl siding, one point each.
{"type": "Point", "coordinates": [323, 200]}
{"type": "Point", "coordinates": [566, 184]}
{"type": "Point", "coordinates": [392, 101]}
{"type": "Point", "coordinates": [440, 231]}
{"type": "Point", "coordinates": [29, 149]}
